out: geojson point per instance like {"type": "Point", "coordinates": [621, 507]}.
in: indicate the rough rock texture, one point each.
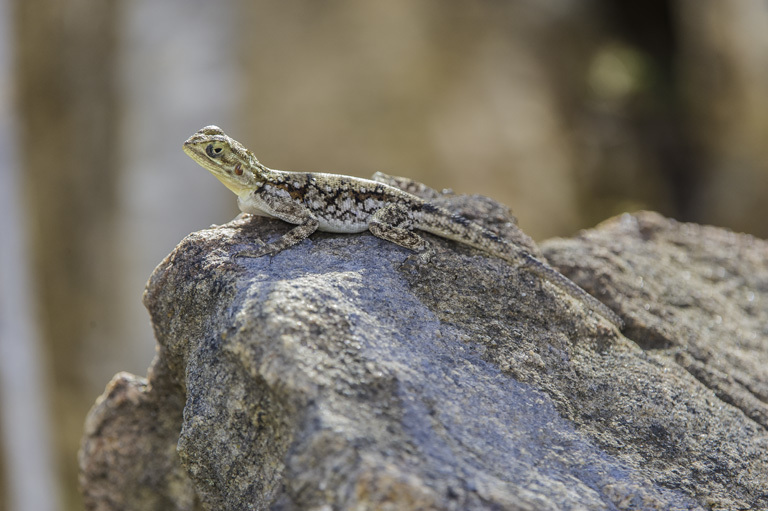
{"type": "Point", "coordinates": [344, 373]}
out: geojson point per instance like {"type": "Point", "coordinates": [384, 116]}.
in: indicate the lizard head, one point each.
{"type": "Point", "coordinates": [225, 158]}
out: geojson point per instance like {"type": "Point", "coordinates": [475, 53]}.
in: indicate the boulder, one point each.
{"type": "Point", "coordinates": [348, 373]}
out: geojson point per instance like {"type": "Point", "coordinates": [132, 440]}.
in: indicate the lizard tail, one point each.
{"type": "Point", "coordinates": [443, 223]}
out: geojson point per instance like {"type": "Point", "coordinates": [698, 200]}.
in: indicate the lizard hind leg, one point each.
{"type": "Point", "coordinates": [407, 185]}
{"type": "Point", "coordinates": [393, 223]}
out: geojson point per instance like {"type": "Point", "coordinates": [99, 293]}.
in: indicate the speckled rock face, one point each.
{"type": "Point", "coordinates": [345, 373]}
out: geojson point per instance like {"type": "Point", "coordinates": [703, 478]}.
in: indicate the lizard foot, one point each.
{"type": "Point", "coordinates": [413, 262]}
{"type": "Point", "coordinates": [262, 250]}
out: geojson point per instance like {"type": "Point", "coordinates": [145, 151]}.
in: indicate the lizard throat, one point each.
{"type": "Point", "coordinates": [234, 185]}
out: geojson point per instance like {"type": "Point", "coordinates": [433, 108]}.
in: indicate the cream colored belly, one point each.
{"type": "Point", "coordinates": [326, 225]}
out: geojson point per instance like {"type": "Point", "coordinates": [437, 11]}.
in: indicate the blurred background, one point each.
{"type": "Point", "coordinates": [568, 111]}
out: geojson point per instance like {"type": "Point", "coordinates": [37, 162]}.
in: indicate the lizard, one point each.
{"type": "Point", "coordinates": [337, 203]}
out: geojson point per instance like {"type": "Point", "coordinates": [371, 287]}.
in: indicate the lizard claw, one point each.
{"type": "Point", "coordinates": [254, 253]}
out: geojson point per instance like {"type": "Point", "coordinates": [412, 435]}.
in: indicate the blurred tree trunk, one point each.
{"type": "Point", "coordinates": [66, 93]}
{"type": "Point", "coordinates": [724, 70]}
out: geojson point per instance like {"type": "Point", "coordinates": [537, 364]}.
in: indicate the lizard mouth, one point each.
{"type": "Point", "coordinates": [197, 152]}
{"type": "Point", "coordinates": [193, 150]}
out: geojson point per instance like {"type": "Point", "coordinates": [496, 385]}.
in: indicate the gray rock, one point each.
{"type": "Point", "coordinates": [344, 373]}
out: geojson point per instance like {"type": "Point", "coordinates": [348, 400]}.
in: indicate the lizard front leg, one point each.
{"type": "Point", "coordinates": [287, 210]}
{"type": "Point", "coordinates": [393, 223]}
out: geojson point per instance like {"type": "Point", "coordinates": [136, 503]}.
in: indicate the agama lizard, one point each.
{"type": "Point", "coordinates": [337, 203]}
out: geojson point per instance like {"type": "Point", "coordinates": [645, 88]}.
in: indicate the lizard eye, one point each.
{"type": "Point", "coordinates": [213, 152]}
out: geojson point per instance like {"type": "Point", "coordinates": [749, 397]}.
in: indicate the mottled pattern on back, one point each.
{"type": "Point", "coordinates": [334, 200]}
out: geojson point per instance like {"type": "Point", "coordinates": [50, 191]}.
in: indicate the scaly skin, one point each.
{"type": "Point", "coordinates": [337, 203]}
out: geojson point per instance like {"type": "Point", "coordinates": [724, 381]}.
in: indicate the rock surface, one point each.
{"type": "Point", "coordinates": [344, 373]}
